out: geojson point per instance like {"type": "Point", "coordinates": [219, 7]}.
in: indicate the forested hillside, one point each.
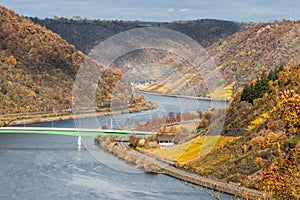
{"type": "Point", "coordinates": [38, 68]}
{"type": "Point", "coordinates": [266, 156]}
{"type": "Point", "coordinates": [257, 48]}
{"type": "Point", "coordinates": [247, 54]}
{"type": "Point", "coordinates": [85, 34]}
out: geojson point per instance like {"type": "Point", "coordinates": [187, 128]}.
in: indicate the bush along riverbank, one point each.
{"type": "Point", "coordinates": [153, 164]}
{"type": "Point", "coordinates": [128, 154]}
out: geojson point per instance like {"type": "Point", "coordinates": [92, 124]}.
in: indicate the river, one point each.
{"type": "Point", "coordinates": [52, 167]}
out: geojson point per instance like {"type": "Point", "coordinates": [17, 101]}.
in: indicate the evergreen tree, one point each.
{"type": "Point", "coordinates": [265, 82]}
{"type": "Point", "coordinates": [245, 93]}
{"type": "Point", "coordinates": [255, 91]}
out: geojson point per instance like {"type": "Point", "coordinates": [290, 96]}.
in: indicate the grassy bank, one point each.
{"type": "Point", "coordinates": [192, 149]}
{"type": "Point", "coordinates": [155, 164]}
{"type": "Point", "coordinates": [29, 118]}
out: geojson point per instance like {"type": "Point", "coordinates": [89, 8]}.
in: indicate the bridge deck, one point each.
{"type": "Point", "coordinates": [72, 131]}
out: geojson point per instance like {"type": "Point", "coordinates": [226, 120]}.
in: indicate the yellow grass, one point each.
{"type": "Point", "coordinates": [192, 149]}
{"type": "Point", "coordinates": [192, 126]}
{"type": "Point", "coordinates": [221, 93]}
{"type": "Point", "coordinates": [259, 120]}
{"type": "Point", "coordinates": [229, 88]}
{"type": "Point", "coordinates": [219, 67]}
{"type": "Point", "coordinates": [171, 84]}
{"type": "Point", "coordinates": [163, 89]}
{"type": "Point", "coordinates": [218, 93]}
{"type": "Point", "coordinates": [151, 87]}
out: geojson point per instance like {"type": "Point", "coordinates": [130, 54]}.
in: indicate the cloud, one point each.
{"type": "Point", "coordinates": [183, 10]}
{"type": "Point", "coordinates": [154, 10]}
{"type": "Point", "coordinates": [170, 10]}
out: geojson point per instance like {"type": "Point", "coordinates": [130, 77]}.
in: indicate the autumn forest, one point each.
{"type": "Point", "coordinates": [259, 63]}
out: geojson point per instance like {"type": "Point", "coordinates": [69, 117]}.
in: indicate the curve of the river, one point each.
{"type": "Point", "coordinates": [52, 167]}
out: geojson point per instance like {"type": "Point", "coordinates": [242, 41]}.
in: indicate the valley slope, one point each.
{"type": "Point", "coordinates": [267, 155]}
{"type": "Point", "coordinates": [242, 57]}
{"type": "Point", "coordinates": [39, 68]}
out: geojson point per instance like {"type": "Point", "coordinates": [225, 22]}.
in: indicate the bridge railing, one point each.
{"type": "Point", "coordinates": [72, 131]}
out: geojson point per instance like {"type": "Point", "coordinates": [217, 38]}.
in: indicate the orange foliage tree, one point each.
{"type": "Point", "coordinates": [281, 180]}
{"type": "Point", "coordinates": [289, 109]}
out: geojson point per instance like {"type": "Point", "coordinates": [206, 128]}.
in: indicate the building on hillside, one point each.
{"type": "Point", "coordinates": [166, 140]}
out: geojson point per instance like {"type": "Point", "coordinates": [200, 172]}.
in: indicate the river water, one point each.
{"type": "Point", "coordinates": [52, 166]}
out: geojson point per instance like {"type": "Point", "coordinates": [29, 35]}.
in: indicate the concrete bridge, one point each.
{"type": "Point", "coordinates": [72, 132]}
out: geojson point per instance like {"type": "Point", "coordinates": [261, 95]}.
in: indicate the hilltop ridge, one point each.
{"type": "Point", "coordinates": [86, 34]}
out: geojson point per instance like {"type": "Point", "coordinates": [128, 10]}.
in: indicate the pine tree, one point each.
{"type": "Point", "coordinates": [265, 83]}
{"type": "Point", "coordinates": [261, 86]}
{"type": "Point", "coordinates": [245, 93]}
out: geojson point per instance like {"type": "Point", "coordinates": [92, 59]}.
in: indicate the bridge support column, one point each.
{"type": "Point", "coordinates": [79, 141]}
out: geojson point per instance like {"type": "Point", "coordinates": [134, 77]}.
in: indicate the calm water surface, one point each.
{"type": "Point", "coordinates": [52, 167]}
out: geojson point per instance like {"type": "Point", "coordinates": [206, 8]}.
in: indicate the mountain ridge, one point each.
{"type": "Point", "coordinates": [85, 34]}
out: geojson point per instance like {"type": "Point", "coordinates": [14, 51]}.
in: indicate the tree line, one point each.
{"type": "Point", "coordinates": [260, 86]}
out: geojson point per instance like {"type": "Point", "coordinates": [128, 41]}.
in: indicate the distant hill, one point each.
{"type": "Point", "coordinates": [255, 49]}
{"type": "Point", "coordinates": [38, 68]}
{"type": "Point", "coordinates": [85, 34]}
{"type": "Point", "coordinates": [246, 54]}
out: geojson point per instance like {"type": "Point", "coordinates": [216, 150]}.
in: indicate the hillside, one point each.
{"type": "Point", "coordinates": [85, 34]}
{"type": "Point", "coordinates": [37, 66]}
{"type": "Point", "coordinates": [171, 77]}
{"type": "Point", "coordinates": [257, 48]}
{"type": "Point", "coordinates": [38, 69]}
{"type": "Point", "coordinates": [243, 56]}
{"type": "Point", "coordinates": [267, 155]}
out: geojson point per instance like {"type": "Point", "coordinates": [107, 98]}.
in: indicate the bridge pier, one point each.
{"type": "Point", "coordinates": [79, 141]}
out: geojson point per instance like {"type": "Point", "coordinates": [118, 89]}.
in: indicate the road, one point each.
{"type": "Point", "coordinates": [169, 168]}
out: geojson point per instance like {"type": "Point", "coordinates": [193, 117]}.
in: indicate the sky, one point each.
{"type": "Point", "coordinates": [160, 10]}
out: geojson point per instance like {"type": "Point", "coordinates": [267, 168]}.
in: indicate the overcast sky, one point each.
{"type": "Point", "coordinates": [160, 10]}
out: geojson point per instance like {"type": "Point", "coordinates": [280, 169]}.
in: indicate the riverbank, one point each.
{"type": "Point", "coordinates": [128, 154]}
{"type": "Point", "coordinates": [183, 96]}
{"type": "Point", "coordinates": [12, 120]}
{"type": "Point", "coordinates": [156, 165]}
